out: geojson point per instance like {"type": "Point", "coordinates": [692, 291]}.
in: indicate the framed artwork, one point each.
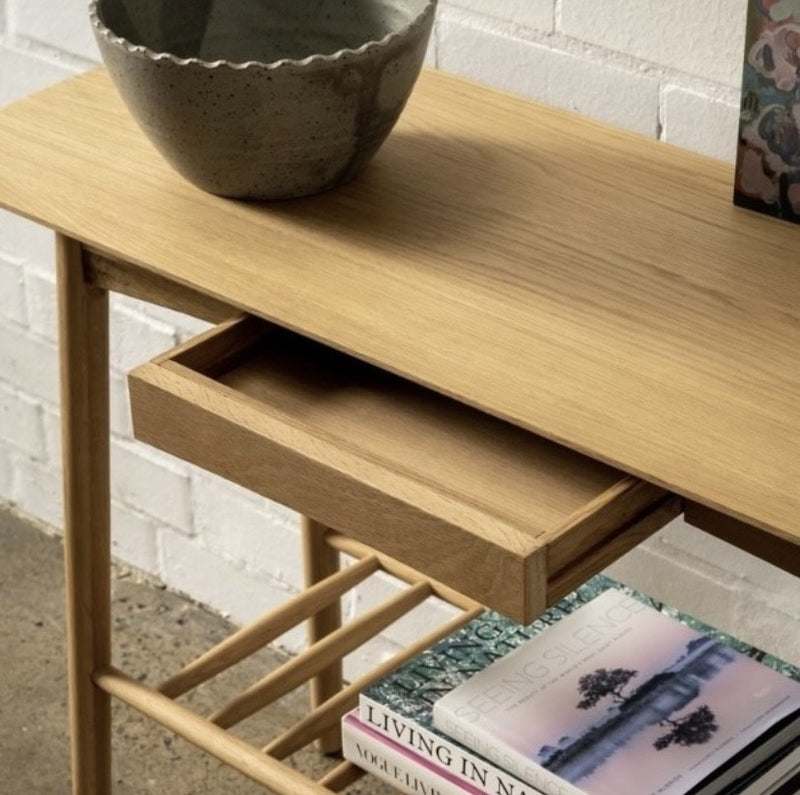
{"type": "Point", "coordinates": [768, 155]}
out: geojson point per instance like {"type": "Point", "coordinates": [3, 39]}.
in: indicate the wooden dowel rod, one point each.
{"type": "Point", "coordinates": [343, 775]}
{"type": "Point", "coordinates": [321, 560]}
{"type": "Point", "coordinates": [224, 746]}
{"type": "Point", "coordinates": [264, 630]}
{"type": "Point", "coordinates": [332, 647]}
{"type": "Point", "coordinates": [406, 573]}
{"type": "Point", "coordinates": [329, 713]}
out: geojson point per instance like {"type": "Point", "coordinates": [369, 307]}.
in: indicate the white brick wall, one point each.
{"type": "Point", "coordinates": [704, 40]}
{"type": "Point", "coordinates": [12, 295]}
{"type": "Point", "coordinates": [663, 69]}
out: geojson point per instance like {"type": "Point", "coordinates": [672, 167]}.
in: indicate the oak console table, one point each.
{"type": "Point", "coordinates": [517, 345]}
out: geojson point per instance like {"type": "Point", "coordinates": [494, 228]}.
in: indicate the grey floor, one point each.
{"type": "Point", "coordinates": [151, 626]}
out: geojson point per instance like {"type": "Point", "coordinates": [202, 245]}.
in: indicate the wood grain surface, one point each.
{"type": "Point", "coordinates": [582, 282]}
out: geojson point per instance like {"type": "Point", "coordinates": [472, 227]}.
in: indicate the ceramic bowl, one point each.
{"type": "Point", "coordinates": [264, 99]}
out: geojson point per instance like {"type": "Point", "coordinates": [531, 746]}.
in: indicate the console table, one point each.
{"type": "Point", "coordinates": [517, 345]}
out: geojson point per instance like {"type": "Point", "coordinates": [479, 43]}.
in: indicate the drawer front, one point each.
{"type": "Point", "coordinates": [502, 515]}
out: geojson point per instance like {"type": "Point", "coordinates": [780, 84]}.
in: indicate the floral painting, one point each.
{"type": "Point", "coordinates": [768, 157]}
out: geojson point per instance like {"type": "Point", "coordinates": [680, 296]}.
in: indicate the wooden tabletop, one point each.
{"type": "Point", "coordinates": [583, 282]}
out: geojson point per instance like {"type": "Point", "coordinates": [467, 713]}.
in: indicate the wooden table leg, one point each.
{"type": "Point", "coordinates": [83, 339]}
{"type": "Point", "coordinates": [321, 560]}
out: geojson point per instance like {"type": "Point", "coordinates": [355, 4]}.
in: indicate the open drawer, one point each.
{"type": "Point", "coordinates": [497, 513]}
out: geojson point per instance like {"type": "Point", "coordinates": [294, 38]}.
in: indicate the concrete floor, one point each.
{"type": "Point", "coordinates": [152, 627]}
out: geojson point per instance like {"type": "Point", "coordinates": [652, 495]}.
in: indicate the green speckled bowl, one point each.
{"type": "Point", "coordinates": [264, 99]}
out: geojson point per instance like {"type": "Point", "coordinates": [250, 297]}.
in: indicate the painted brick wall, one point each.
{"type": "Point", "coordinates": [666, 70]}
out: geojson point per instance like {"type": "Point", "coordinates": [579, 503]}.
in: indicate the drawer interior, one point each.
{"type": "Point", "coordinates": [510, 518]}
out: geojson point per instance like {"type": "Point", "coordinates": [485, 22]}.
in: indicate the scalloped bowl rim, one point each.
{"type": "Point", "coordinates": [316, 58]}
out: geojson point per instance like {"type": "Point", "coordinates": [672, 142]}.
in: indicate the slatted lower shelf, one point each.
{"type": "Point", "coordinates": [265, 764]}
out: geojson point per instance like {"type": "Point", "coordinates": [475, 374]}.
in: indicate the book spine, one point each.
{"type": "Point", "coordinates": [395, 764]}
{"type": "Point", "coordinates": [462, 763]}
{"type": "Point", "coordinates": [512, 760]}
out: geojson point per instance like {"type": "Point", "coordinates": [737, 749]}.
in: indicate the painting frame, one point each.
{"type": "Point", "coordinates": [767, 175]}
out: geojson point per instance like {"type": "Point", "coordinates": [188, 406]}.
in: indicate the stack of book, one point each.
{"type": "Point", "coordinates": [608, 693]}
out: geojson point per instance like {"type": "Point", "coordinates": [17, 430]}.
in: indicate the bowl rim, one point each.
{"type": "Point", "coordinates": [315, 59]}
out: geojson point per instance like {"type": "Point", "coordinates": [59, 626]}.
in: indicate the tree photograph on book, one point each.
{"type": "Point", "coordinates": [618, 699]}
{"type": "Point", "coordinates": [654, 707]}
{"type": "Point", "coordinates": [692, 729]}
{"type": "Point", "coordinates": [696, 727]}
{"type": "Point", "coordinates": [601, 683]}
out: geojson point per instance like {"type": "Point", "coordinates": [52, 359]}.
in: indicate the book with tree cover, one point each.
{"type": "Point", "coordinates": [620, 699]}
{"type": "Point", "coordinates": [400, 705]}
